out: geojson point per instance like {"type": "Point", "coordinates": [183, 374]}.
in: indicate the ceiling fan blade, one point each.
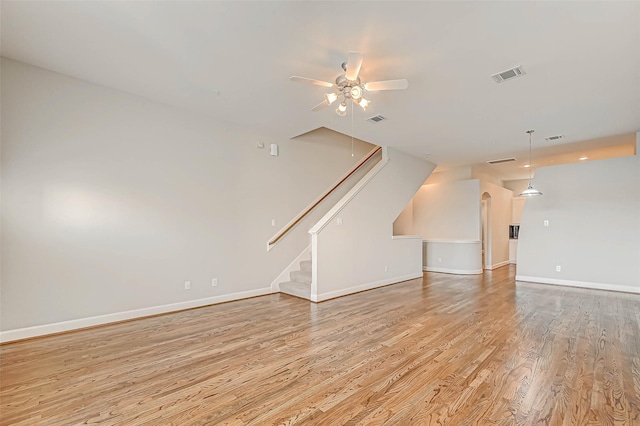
{"type": "Point", "coordinates": [320, 105]}
{"type": "Point", "coordinates": [354, 62]}
{"type": "Point", "coordinates": [386, 85]}
{"type": "Point", "coordinates": [311, 80]}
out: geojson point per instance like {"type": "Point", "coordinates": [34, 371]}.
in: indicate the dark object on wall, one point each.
{"type": "Point", "coordinates": [514, 230]}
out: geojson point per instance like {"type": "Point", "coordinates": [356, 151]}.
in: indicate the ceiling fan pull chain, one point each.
{"type": "Point", "coordinates": [352, 130]}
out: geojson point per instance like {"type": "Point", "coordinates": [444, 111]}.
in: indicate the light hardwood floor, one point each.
{"type": "Point", "coordinates": [458, 350]}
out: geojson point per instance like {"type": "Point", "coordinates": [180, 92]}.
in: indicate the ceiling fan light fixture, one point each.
{"type": "Point", "coordinates": [331, 97]}
{"type": "Point", "coordinates": [364, 103]}
{"type": "Point", "coordinates": [356, 92]}
{"type": "Point", "coordinates": [349, 86]}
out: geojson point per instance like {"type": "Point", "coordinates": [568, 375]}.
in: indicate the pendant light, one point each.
{"type": "Point", "coordinates": [530, 191]}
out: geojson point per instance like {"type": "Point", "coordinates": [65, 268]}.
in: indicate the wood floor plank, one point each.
{"type": "Point", "coordinates": [445, 349]}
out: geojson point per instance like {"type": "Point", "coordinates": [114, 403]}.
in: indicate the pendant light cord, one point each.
{"type": "Point", "coordinates": [530, 166]}
{"type": "Point", "coordinates": [529, 156]}
{"type": "Point", "coordinates": [530, 191]}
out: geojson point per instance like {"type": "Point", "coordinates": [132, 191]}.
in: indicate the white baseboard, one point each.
{"type": "Point", "coordinates": [581, 284]}
{"type": "Point", "coordinates": [293, 266]}
{"type": "Point", "coordinates": [453, 271]}
{"type": "Point", "coordinates": [363, 287]}
{"type": "Point", "coordinates": [498, 265]}
{"type": "Point", "coordinates": [58, 327]}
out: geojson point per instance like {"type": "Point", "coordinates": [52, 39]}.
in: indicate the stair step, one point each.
{"type": "Point", "coordinates": [295, 288]}
{"type": "Point", "coordinates": [305, 265]}
{"type": "Point", "coordinates": [301, 276]}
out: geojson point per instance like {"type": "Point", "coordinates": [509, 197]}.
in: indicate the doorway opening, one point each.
{"type": "Point", "coordinates": [485, 214]}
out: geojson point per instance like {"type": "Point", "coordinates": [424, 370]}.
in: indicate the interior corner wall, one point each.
{"type": "Point", "coordinates": [452, 175]}
{"type": "Point", "coordinates": [485, 177]}
{"type": "Point", "coordinates": [110, 202]}
{"type": "Point", "coordinates": [403, 225]}
{"type": "Point", "coordinates": [593, 231]}
{"type": "Point", "coordinates": [517, 186]}
{"type": "Point", "coordinates": [500, 216]}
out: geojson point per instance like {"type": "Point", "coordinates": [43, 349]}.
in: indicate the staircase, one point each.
{"type": "Point", "coordinates": [299, 283]}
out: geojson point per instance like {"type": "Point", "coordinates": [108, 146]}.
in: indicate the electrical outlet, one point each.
{"type": "Point", "coordinates": [339, 221]}
{"type": "Point", "coordinates": [439, 260]}
{"type": "Point", "coordinates": [558, 268]}
{"type": "Point", "coordinates": [187, 285]}
{"type": "Point", "coordinates": [273, 222]}
{"type": "Point", "coordinates": [214, 282]}
{"type": "Point", "coordinates": [545, 223]}
{"type": "Point", "coordinates": [386, 269]}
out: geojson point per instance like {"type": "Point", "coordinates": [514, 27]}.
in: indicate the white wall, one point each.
{"type": "Point", "coordinates": [110, 202]}
{"type": "Point", "coordinates": [500, 217]}
{"type": "Point", "coordinates": [593, 209]}
{"type": "Point", "coordinates": [447, 217]}
{"type": "Point", "coordinates": [448, 211]}
{"type": "Point", "coordinates": [362, 253]}
{"type": "Point", "coordinates": [460, 257]}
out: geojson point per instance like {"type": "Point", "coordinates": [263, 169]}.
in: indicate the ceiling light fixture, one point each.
{"type": "Point", "coordinates": [331, 98]}
{"type": "Point", "coordinates": [348, 90]}
{"type": "Point", "coordinates": [530, 191]}
{"type": "Point", "coordinates": [349, 86]}
{"type": "Point", "coordinates": [583, 158]}
{"type": "Point", "coordinates": [356, 92]}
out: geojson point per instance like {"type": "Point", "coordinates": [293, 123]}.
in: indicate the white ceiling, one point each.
{"type": "Point", "coordinates": [582, 61]}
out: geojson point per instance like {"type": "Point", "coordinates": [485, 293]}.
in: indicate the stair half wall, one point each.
{"type": "Point", "coordinates": [353, 247]}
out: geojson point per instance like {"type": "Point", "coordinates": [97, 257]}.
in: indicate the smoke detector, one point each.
{"type": "Point", "coordinates": [508, 74]}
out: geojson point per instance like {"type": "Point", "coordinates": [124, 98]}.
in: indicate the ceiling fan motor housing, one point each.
{"type": "Point", "coordinates": [344, 85]}
{"type": "Point", "coordinates": [351, 87]}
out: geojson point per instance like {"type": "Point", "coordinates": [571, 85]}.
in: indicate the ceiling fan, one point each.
{"type": "Point", "coordinates": [348, 86]}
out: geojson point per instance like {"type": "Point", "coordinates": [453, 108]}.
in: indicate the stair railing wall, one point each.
{"type": "Point", "coordinates": [296, 220]}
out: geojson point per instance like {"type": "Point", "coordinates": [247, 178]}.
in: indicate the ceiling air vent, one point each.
{"type": "Point", "coordinates": [554, 138]}
{"type": "Point", "coordinates": [508, 74]}
{"type": "Point", "coordinates": [502, 160]}
{"type": "Point", "coordinates": [376, 119]}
